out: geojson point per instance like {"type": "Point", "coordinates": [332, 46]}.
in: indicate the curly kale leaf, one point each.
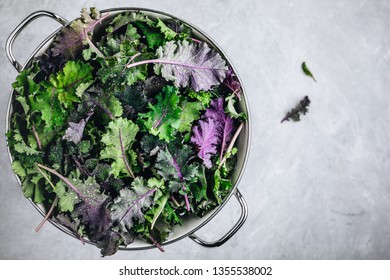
{"type": "Point", "coordinates": [232, 83]}
{"type": "Point", "coordinates": [126, 18]}
{"type": "Point", "coordinates": [181, 29]}
{"type": "Point", "coordinates": [134, 100]}
{"type": "Point", "coordinates": [154, 37]}
{"type": "Point", "coordinates": [118, 140]}
{"type": "Point", "coordinates": [113, 72]}
{"type": "Point", "coordinates": [221, 187]}
{"type": "Point", "coordinates": [169, 34]}
{"type": "Point", "coordinates": [150, 144]}
{"type": "Point", "coordinates": [163, 119]}
{"type": "Point", "coordinates": [67, 197]}
{"type": "Point", "coordinates": [23, 148]}
{"type": "Point", "coordinates": [72, 38]}
{"type": "Point", "coordinates": [203, 96]}
{"type": "Point", "coordinates": [131, 203]}
{"type": "Point", "coordinates": [224, 123]}
{"type": "Point", "coordinates": [190, 113]}
{"type": "Point", "coordinates": [295, 113]}
{"type": "Point", "coordinates": [50, 63]}
{"type": "Point", "coordinates": [73, 224]}
{"type": "Point", "coordinates": [93, 206]}
{"type": "Point", "coordinates": [205, 137]}
{"type": "Point", "coordinates": [71, 82]}
{"type": "Point", "coordinates": [199, 188]}
{"type": "Point", "coordinates": [51, 101]}
{"type": "Point", "coordinates": [32, 184]}
{"type": "Point", "coordinates": [105, 101]}
{"type": "Point", "coordinates": [172, 165]}
{"type": "Point", "coordinates": [190, 64]}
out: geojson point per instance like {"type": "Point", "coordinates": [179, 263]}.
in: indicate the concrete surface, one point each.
{"type": "Point", "coordinates": [317, 189]}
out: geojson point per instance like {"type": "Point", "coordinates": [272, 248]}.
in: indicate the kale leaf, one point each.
{"type": "Point", "coordinates": [72, 38]}
{"type": "Point", "coordinates": [190, 64]}
{"type": "Point", "coordinates": [301, 108]}
{"type": "Point", "coordinates": [223, 122]}
{"type": "Point", "coordinates": [206, 139]}
{"type": "Point", "coordinates": [118, 140]}
{"type": "Point", "coordinates": [163, 119]}
{"type": "Point", "coordinates": [130, 203]}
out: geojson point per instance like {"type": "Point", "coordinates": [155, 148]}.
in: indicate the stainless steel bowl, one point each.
{"type": "Point", "coordinates": [191, 224]}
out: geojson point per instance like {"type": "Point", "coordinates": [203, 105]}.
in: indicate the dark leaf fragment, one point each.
{"type": "Point", "coordinates": [301, 108]}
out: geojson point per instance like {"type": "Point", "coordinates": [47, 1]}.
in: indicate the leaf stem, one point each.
{"type": "Point", "coordinates": [175, 201]}
{"type": "Point", "coordinates": [133, 57]}
{"type": "Point", "coordinates": [156, 244]}
{"type": "Point", "coordinates": [66, 180]}
{"type": "Point", "coordinates": [170, 62]}
{"type": "Point", "coordinates": [188, 207]}
{"type": "Point", "coordinates": [124, 155]}
{"type": "Point", "coordinates": [237, 94]}
{"type": "Point", "coordinates": [94, 101]}
{"type": "Point", "coordinates": [37, 137]}
{"type": "Point", "coordinates": [80, 167]}
{"type": "Point", "coordinates": [158, 122]}
{"type": "Point", "coordinates": [196, 40]}
{"type": "Point", "coordinates": [183, 187]}
{"type": "Point", "coordinates": [231, 145]}
{"type": "Point", "coordinates": [47, 178]}
{"type": "Point", "coordinates": [98, 21]}
{"type": "Point", "coordinates": [38, 228]}
{"type": "Point", "coordinates": [160, 210]}
{"type": "Point", "coordinates": [92, 45]}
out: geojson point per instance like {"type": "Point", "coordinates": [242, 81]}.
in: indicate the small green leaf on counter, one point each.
{"type": "Point", "coordinates": [307, 71]}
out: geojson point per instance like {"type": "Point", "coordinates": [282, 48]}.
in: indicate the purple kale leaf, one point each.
{"type": "Point", "coordinates": [93, 207]}
{"type": "Point", "coordinates": [191, 64]}
{"type": "Point", "coordinates": [224, 123]}
{"type": "Point", "coordinates": [232, 83]}
{"type": "Point", "coordinates": [110, 242]}
{"type": "Point", "coordinates": [131, 203]}
{"type": "Point", "coordinates": [205, 138]}
{"type": "Point", "coordinates": [69, 223]}
{"type": "Point", "coordinates": [50, 63]}
{"type": "Point", "coordinates": [188, 64]}
{"type": "Point", "coordinates": [70, 40]}
{"type": "Point", "coordinates": [75, 131]}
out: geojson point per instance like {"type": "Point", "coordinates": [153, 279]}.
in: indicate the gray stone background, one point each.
{"type": "Point", "coordinates": [317, 189]}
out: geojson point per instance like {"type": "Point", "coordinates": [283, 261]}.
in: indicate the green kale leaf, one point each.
{"type": "Point", "coordinates": [163, 119]}
{"type": "Point", "coordinates": [118, 139]}
{"type": "Point", "coordinates": [154, 37]}
{"type": "Point", "coordinates": [190, 113]}
{"type": "Point", "coordinates": [70, 83]}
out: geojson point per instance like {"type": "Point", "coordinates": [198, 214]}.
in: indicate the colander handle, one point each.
{"type": "Point", "coordinates": [20, 27]}
{"type": "Point", "coordinates": [232, 231]}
